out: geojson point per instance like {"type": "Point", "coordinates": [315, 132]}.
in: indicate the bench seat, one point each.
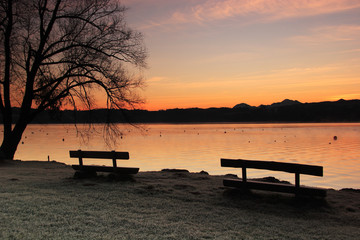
{"type": "Point", "coordinates": [276, 187]}
{"type": "Point", "coordinates": [91, 170]}
{"type": "Point", "coordinates": [118, 170]}
{"type": "Point", "coordinates": [294, 168]}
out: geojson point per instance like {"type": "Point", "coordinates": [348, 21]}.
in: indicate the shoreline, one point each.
{"type": "Point", "coordinates": [38, 163]}
{"type": "Point", "coordinates": [209, 123]}
{"type": "Point", "coordinates": [43, 200]}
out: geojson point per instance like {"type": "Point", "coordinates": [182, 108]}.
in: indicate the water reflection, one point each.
{"type": "Point", "coordinates": [199, 147]}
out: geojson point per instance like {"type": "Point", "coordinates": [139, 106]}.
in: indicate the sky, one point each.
{"type": "Point", "coordinates": [219, 53]}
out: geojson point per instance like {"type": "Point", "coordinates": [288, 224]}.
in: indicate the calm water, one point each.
{"type": "Point", "coordinates": [199, 147]}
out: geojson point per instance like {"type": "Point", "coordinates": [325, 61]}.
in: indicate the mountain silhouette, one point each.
{"type": "Point", "coordinates": [285, 111]}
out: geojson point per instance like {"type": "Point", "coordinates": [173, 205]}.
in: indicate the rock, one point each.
{"type": "Point", "coordinates": [231, 175]}
{"type": "Point", "coordinates": [175, 170]}
{"type": "Point", "coordinates": [272, 180]}
{"type": "Point", "coordinates": [84, 174]}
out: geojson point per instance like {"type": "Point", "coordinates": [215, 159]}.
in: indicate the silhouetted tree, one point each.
{"type": "Point", "coordinates": [55, 53]}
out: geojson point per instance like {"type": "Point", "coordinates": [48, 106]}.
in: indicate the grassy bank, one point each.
{"type": "Point", "coordinates": [41, 200]}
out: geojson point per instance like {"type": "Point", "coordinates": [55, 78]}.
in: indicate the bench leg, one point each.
{"type": "Point", "coordinates": [297, 180]}
{"type": "Point", "coordinates": [244, 174]}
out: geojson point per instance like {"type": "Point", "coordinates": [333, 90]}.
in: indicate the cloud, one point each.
{"type": "Point", "coordinates": [264, 10]}
{"type": "Point", "coordinates": [330, 34]}
{"type": "Point", "coordinates": [156, 79]}
{"type": "Point", "coordinates": [307, 70]}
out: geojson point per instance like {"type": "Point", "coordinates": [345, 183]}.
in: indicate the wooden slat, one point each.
{"type": "Point", "coordinates": [276, 166]}
{"type": "Point", "coordinates": [277, 187]}
{"type": "Point", "coordinates": [120, 170]}
{"type": "Point", "coordinates": [99, 154]}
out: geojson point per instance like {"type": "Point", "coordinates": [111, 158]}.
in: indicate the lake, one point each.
{"type": "Point", "coordinates": [199, 147]}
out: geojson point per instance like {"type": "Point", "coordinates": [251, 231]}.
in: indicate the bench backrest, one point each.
{"type": "Point", "coordinates": [99, 154]}
{"type": "Point", "coordinates": [276, 166]}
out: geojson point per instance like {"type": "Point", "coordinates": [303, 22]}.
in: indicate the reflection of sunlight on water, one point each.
{"type": "Point", "coordinates": [200, 146]}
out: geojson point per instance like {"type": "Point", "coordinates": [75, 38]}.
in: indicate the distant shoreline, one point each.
{"type": "Point", "coordinates": [287, 111]}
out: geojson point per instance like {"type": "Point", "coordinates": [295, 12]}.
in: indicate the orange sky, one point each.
{"type": "Point", "coordinates": [218, 53]}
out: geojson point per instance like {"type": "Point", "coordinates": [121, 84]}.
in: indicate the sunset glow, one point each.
{"type": "Point", "coordinates": [218, 53]}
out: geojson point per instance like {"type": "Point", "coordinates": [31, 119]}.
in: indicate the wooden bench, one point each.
{"type": "Point", "coordinates": [91, 170]}
{"type": "Point", "coordinates": [298, 169]}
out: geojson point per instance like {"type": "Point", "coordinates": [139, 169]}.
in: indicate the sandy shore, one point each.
{"type": "Point", "coordinates": [41, 200]}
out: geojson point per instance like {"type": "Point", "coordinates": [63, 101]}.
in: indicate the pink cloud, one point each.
{"type": "Point", "coordinates": [325, 34]}
{"type": "Point", "coordinates": [264, 10]}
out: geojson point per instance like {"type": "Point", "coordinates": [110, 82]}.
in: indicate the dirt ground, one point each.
{"type": "Point", "coordinates": [42, 200]}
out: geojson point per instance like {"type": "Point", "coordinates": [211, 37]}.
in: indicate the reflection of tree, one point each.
{"type": "Point", "coordinates": [55, 53]}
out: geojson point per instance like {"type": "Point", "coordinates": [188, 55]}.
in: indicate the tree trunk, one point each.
{"type": "Point", "coordinates": [11, 141]}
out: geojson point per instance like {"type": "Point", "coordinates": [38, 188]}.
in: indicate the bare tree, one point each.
{"type": "Point", "coordinates": [55, 53]}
